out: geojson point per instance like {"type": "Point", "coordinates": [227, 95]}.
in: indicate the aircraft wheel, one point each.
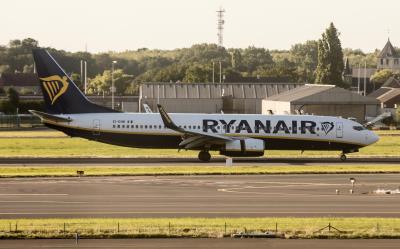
{"type": "Point", "coordinates": [204, 156]}
{"type": "Point", "coordinates": [343, 157]}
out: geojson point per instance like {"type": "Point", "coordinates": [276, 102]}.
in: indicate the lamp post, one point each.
{"type": "Point", "coordinates": [112, 83]}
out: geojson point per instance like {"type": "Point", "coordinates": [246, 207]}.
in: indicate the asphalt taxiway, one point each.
{"type": "Point", "coordinates": [158, 161]}
{"type": "Point", "coordinates": [203, 243]}
{"type": "Point", "coordinates": [199, 196]}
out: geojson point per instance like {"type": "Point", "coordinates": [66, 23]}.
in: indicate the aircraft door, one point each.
{"type": "Point", "coordinates": [96, 127]}
{"type": "Point", "coordinates": [339, 129]}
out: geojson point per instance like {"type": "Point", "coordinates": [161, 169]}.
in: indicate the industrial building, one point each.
{"type": "Point", "coordinates": [327, 100]}
{"type": "Point", "coordinates": [389, 94]}
{"type": "Point", "coordinates": [28, 82]}
{"type": "Point", "coordinates": [210, 98]}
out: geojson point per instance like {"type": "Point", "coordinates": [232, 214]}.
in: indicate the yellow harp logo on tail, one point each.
{"type": "Point", "coordinates": [55, 86]}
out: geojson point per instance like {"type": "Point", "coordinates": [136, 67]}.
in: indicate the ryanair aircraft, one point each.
{"type": "Point", "coordinates": [234, 135]}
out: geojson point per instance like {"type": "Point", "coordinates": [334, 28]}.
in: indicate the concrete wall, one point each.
{"type": "Point", "coordinates": [277, 107]}
{"type": "Point", "coordinates": [208, 98]}
{"type": "Point", "coordinates": [209, 91]}
{"type": "Point", "coordinates": [345, 111]}
{"type": "Point", "coordinates": [186, 105]}
{"type": "Point", "coordinates": [358, 111]}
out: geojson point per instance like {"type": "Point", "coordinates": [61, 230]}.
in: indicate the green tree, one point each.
{"type": "Point", "coordinates": [330, 58]}
{"type": "Point", "coordinates": [381, 76]}
{"type": "Point", "coordinates": [253, 57]}
{"type": "Point", "coordinates": [13, 97]}
{"type": "Point", "coordinates": [197, 73]}
{"type": "Point", "coordinates": [232, 75]}
{"type": "Point", "coordinates": [305, 56]}
{"type": "Point", "coordinates": [11, 104]}
{"type": "Point", "coordinates": [236, 58]}
{"type": "Point", "coordinates": [284, 70]}
{"type": "Point", "coordinates": [102, 83]}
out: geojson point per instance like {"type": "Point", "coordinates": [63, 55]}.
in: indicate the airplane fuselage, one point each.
{"type": "Point", "coordinates": [291, 132]}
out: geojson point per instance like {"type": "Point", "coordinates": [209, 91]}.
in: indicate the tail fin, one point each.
{"type": "Point", "coordinates": [61, 95]}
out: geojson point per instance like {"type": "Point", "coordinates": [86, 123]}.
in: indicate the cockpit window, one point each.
{"type": "Point", "coordinates": [358, 128]}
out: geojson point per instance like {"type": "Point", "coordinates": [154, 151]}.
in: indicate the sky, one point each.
{"type": "Point", "coordinates": [119, 25]}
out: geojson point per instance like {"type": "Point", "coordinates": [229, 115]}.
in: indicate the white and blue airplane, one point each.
{"type": "Point", "coordinates": [234, 135]}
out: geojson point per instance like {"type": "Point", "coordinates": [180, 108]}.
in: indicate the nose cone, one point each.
{"type": "Point", "coordinates": [372, 137]}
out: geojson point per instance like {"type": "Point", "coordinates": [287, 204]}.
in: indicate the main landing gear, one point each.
{"type": "Point", "coordinates": [204, 156]}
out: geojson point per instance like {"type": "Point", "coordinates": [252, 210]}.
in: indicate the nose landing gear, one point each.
{"type": "Point", "coordinates": [204, 156]}
{"type": "Point", "coordinates": [343, 157]}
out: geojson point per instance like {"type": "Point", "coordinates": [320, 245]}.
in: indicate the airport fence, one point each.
{"type": "Point", "coordinates": [19, 121]}
{"type": "Point", "coordinates": [197, 227]}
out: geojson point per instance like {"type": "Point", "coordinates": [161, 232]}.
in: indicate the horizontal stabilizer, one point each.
{"type": "Point", "coordinates": [50, 117]}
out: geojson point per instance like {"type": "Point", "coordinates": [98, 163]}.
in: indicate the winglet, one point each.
{"type": "Point", "coordinates": [167, 119]}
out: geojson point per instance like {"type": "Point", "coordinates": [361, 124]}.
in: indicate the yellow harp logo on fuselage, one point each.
{"type": "Point", "coordinates": [55, 86]}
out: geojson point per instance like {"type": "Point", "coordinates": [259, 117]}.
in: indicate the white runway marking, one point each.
{"type": "Point", "coordinates": [289, 213]}
{"type": "Point", "coordinates": [34, 194]}
{"type": "Point", "coordinates": [61, 202]}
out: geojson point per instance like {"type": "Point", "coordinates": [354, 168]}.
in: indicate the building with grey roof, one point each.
{"type": "Point", "coordinates": [209, 97]}
{"type": "Point", "coordinates": [326, 100]}
{"type": "Point", "coordinates": [388, 58]}
{"type": "Point", "coordinates": [389, 94]}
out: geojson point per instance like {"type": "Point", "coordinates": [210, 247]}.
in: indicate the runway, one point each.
{"type": "Point", "coordinates": [204, 243]}
{"type": "Point", "coordinates": [154, 161]}
{"type": "Point", "coordinates": [199, 196]}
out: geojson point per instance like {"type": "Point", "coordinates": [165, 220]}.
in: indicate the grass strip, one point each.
{"type": "Point", "coordinates": [48, 143]}
{"type": "Point", "coordinates": [78, 147]}
{"type": "Point", "coordinates": [287, 227]}
{"type": "Point", "coordinates": [48, 171]}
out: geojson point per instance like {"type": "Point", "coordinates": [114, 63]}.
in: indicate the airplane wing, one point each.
{"type": "Point", "coordinates": [50, 117]}
{"type": "Point", "coordinates": [192, 139]}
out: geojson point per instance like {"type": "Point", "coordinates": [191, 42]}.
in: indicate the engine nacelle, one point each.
{"type": "Point", "coordinates": [244, 148]}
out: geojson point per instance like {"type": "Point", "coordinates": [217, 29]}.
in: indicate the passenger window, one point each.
{"type": "Point", "coordinates": [150, 126]}
{"type": "Point", "coordinates": [159, 127]}
{"type": "Point", "coordinates": [141, 126]}
{"type": "Point", "coordinates": [145, 126]}
{"type": "Point", "coordinates": [118, 126]}
{"type": "Point", "coordinates": [137, 126]}
{"type": "Point", "coordinates": [123, 126]}
{"type": "Point", "coordinates": [113, 126]}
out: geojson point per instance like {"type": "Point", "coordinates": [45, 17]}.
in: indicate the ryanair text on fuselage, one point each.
{"type": "Point", "coordinates": [237, 126]}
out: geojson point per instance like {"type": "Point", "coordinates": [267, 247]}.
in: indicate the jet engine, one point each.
{"type": "Point", "coordinates": [249, 147]}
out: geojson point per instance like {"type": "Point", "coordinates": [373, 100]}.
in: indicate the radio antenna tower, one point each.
{"type": "Point", "coordinates": [221, 22]}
